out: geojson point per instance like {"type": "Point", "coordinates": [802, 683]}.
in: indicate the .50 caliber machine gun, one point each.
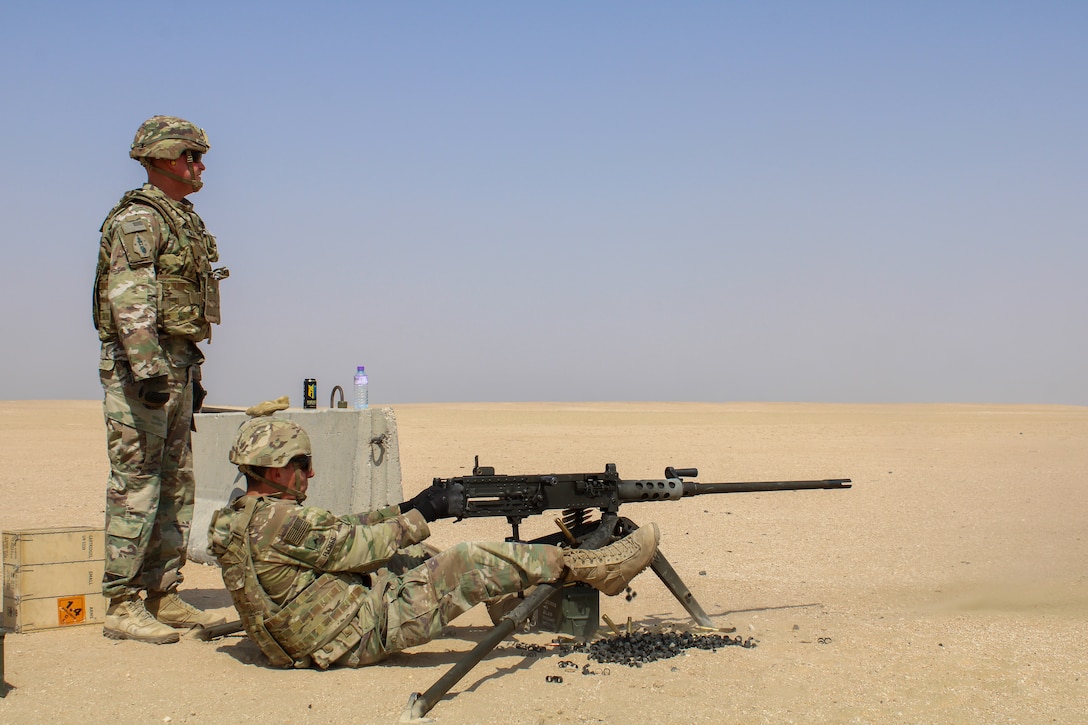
{"type": "Point", "coordinates": [517, 497]}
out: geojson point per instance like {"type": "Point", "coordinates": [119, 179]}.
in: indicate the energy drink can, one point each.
{"type": "Point", "coordinates": [309, 393]}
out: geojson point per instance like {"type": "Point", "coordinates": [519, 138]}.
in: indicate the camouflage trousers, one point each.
{"type": "Point", "coordinates": [402, 610]}
{"type": "Point", "coordinates": [150, 493]}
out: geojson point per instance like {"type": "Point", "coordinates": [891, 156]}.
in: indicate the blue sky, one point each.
{"type": "Point", "coordinates": [496, 201]}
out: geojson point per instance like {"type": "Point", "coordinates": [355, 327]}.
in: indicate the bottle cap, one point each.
{"type": "Point", "coordinates": [361, 369]}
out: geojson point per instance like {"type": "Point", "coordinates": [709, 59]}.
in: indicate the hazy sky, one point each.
{"type": "Point", "coordinates": [573, 201]}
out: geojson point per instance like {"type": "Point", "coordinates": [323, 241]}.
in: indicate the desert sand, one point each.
{"type": "Point", "coordinates": [949, 585]}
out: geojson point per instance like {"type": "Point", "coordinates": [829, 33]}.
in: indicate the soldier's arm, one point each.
{"type": "Point", "coordinates": [132, 291]}
{"type": "Point", "coordinates": [369, 518]}
{"type": "Point", "coordinates": [322, 541]}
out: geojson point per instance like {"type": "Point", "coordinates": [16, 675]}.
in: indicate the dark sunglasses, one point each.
{"type": "Point", "coordinates": [303, 463]}
{"type": "Point", "coordinates": [195, 156]}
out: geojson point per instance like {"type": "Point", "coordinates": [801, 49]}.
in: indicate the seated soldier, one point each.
{"type": "Point", "coordinates": [317, 590]}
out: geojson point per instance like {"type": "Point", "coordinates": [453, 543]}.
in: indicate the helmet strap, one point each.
{"type": "Point", "coordinates": [298, 495]}
{"type": "Point", "coordinates": [192, 181]}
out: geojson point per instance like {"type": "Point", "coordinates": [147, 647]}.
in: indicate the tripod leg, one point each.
{"type": "Point", "coordinates": [671, 579]}
{"type": "Point", "coordinates": [419, 704]}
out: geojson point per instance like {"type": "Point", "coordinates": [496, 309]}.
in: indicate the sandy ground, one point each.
{"type": "Point", "coordinates": [949, 585]}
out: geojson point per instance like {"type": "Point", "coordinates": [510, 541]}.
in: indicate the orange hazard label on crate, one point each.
{"type": "Point", "coordinates": [71, 610]}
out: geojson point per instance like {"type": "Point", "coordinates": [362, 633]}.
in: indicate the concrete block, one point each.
{"type": "Point", "coordinates": [356, 463]}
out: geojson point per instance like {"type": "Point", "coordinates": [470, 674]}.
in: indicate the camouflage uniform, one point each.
{"type": "Point", "coordinates": [317, 590]}
{"type": "Point", "coordinates": [155, 297]}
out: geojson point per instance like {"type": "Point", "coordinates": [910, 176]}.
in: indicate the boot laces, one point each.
{"type": "Point", "coordinates": [135, 608]}
{"type": "Point", "coordinates": [178, 603]}
{"type": "Point", "coordinates": [615, 552]}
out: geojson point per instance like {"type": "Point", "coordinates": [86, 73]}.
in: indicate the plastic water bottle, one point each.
{"type": "Point", "coordinates": [361, 394]}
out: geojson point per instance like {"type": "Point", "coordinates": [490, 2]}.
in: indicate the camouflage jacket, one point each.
{"type": "Point", "coordinates": [291, 545]}
{"type": "Point", "coordinates": [298, 574]}
{"type": "Point", "coordinates": [155, 292]}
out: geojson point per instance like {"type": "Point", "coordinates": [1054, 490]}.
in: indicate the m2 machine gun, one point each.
{"type": "Point", "coordinates": [485, 493]}
{"type": "Point", "coordinates": [577, 495]}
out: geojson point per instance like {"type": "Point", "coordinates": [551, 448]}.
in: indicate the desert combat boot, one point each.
{"type": "Point", "coordinates": [127, 618]}
{"type": "Point", "coordinates": [611, 568]}
{"type": "Point", "coordinates": [172, 610]}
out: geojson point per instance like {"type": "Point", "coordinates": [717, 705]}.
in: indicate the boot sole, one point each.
{"type": "Point", "coordinates": [190, 624]}
{"type": "Point", "coordinates": [181, 625]}
{"type": "Point", "coordinates": [165, 639]}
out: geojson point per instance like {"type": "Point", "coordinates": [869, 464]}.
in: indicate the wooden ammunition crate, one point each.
{"type": "Point", "coordinates": [52, 578]}
{"type": "Point", "coordinates": [53, 546]}
{"type": "Point", "coordinates": [29, 615]}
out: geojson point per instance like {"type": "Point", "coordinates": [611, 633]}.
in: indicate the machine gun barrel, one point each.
{"type": "Point", "coordinates": [697, 489]}
{"type": "Point", "coordinates": [672, 487]}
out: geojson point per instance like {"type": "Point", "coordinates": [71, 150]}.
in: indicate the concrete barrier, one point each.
{"type": "Point", "coordinates": [356, 463]}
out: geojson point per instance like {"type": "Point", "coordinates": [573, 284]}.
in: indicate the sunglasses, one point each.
{"type": "Point", "coordinates": [195, 156]}
{"type": "Point", "coordinates": [302, 463]}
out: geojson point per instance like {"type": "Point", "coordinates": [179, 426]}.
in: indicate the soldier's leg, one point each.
{"type": "Point", "coordinates": [135, 437]}
{"type": "Point", "coordinates": [166, 551]}
{"type": "Point", "coordinates": [413, 608]}
{"type": "Point", "coordinates": [409, 558]}
{"type": "Point", "coordinates": [132, 498]}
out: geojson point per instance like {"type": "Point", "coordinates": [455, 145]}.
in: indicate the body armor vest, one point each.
{"type": "Point", "coordinates": [187, 286]}
{"type": "Point", "coordinates": [316, 627]}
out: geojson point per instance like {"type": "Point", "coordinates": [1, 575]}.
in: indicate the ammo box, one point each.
{"type": "Point", "coordinates": [573, 610]}
{"type": "Point", "coordinates": [53, 578]}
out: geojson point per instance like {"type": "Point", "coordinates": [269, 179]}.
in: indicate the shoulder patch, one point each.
{"type": "Point", "coordinates": [137, 247]}
{"type": "Point", "coordinates": [137, 230]}
{"type": "Point", "coordinates": [296, 533]}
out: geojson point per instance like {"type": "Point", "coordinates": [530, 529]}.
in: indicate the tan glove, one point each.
{"type": "Point", "coordinates": [269, 407]}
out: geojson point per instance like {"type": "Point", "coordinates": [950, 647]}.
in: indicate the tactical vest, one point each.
{"type": "Point", "coordinates": [187, 286]}
{"type": "Point", "coordinates": [316, 627]}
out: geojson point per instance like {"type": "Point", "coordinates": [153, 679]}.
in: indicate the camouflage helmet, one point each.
{"type": "Point", "coordinates": [269, 442]}
{"type": "Point", "coordinates": [167, 137]}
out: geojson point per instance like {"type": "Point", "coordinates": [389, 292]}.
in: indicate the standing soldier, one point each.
{"type": "Point", "coordinates": [155, 296]}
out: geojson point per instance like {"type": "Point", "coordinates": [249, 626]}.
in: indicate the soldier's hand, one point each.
{"type": "Point", "coordinates": [433, 502]}
{"type": "Point", "coordinates": [153, 392]}
{"type": "Point", "coordinates": [199, 393]}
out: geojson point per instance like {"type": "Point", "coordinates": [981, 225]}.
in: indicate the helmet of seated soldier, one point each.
{"type": "Point", "coordinates": [269, 442]}
{"type": "Point", "coordinates": [167, 137]}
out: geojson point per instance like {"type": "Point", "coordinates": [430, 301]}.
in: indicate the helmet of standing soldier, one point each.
{"type": "Point", "coordinates": [269, 442]}
{"type": "Point", "coordinates": [167, 137]}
